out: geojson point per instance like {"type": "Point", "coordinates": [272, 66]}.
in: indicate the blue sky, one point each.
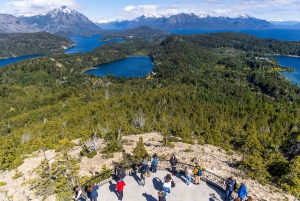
{"type": "Point", "coordinates": [100, 10]}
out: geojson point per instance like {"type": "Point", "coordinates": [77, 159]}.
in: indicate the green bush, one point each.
{"type": "Point", "coordinates": [2, 183]}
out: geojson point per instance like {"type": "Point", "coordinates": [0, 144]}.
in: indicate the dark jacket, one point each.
{"type": "Point", "coordinates": [230, 184]}
{"type": "Point", "coordinates": [121, 174]}
{"type": "Point", "coordinates": [173, 161]}
{"type": "Point", "coordinates": [93, 193]}
{"type": "Point", "coordinates": [161, 198]}
{"type": "Point", "coordinates": [242, 191]}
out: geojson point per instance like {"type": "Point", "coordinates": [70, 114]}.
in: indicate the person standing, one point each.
{"type": "Point", "coordinates": [197, 173]}
{"type": "Point", "coordinates": [161, 196]}
{"type": "Point", "coordinates": [92, 191]}
{"type": "Point", "coordinates": [188, 173]}
{"type": "Point", "coordinates": [144, 175]}
{"type": "Point", "coordinates": [167, 184]}
{"type": "Point", "coordinates": [242, 192]}
{"type": "Point", "coordinates": [78, 194]}
{"type": "Point", "coordinates": [173, 162]}
{"type": "Point", "coordinates": [154, 163]}
{"type": "Point", "coordinates": [120, 173]}
{"type": "Point", "coordinates": [145, 162]}
{"type": "Point", "coordinates": [230, 186]}
{"type": "Point", "coordinates": [120, 187]}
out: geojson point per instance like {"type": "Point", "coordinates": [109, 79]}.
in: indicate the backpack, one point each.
{"type": "Point", "coordinates": [199, 172]}
{"type": "Point", "coordinates": [155, 161]}
{"type": "Point", "coordinates": [122, 173]}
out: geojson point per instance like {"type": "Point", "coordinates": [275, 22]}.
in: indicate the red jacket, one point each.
{"type": "Point", "coordinates": [120, 186]}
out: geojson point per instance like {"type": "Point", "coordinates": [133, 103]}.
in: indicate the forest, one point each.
{"type": "Point", "coordinates": [222, 89]}
{"type": "Point", "coordinates": [23, 44]}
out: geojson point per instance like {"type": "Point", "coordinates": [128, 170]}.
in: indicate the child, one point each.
{"type": "Point", "coordinates": [143, 176]}
{"type": "Point", "coordinates": [120, 187]}
{"type": "Point", "coordinates": [161, 196]}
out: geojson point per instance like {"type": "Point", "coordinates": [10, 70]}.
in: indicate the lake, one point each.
{"type": "Point", "coordinates": [135, 66]}
{"type": "Point", "coordinates": [87, 44]}
{"type": "Point", "coordinates": [290, 62]}
{"type": "Point", "coordinates": [4, 62]}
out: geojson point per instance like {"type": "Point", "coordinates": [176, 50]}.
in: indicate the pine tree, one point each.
{"type": "Point", "coordinates": [139, 151]}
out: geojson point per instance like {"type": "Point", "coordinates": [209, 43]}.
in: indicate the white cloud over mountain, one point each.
{"type": "Point", "coordinates": [32, 7]}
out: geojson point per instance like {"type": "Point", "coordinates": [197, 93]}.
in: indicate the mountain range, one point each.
{"type": "Point", "coordinates": [62, 21]}
{"type": "Point", "coordinates": [11, 24]}
{"type": "Point", "coordinates": [190, 21]}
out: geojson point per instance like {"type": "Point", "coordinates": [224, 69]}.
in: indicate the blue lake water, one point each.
{"type": "Point", "coordinates": [87, 44]}
{"type": "Point", "coordinates": [290, 62]}
{"type": "Point", "coordinates": [4, 62]}
{"type": "Point", "coordinates": [136, 66]}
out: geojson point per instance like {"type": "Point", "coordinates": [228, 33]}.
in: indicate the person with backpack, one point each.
{"type": "Point", "coordinates": [154, 163]}
{"type": "Point", "coordinates": [197, 174]}
{"type": "Point", "coordinates": [188, 173]}
{"type": "Point", "coordinates": [120, 173]}
{"type": "Point", "coordinates": [79, 194]}
{"type": "Point", "coordinates": [120, 187]}
{"type": "Point", "coordinates": [167, 184]}
{"type": "Point", "coordinates": [144, 175]}
{"type": "Point", "coordinates": [92, 193]}
{"type": "Point", "coordinates": [242, 192]}
{"type": "Point", "coordinates": [230, 186]}
{"type": "Point", "coordinates": [173, 162]}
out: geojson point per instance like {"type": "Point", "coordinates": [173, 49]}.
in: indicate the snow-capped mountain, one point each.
{"type": "Point", "coordinates": [190, 21]}
{"type": "Point", "coordinates": [63, 21]}
{"type": "Point", "coordinates": [11, 24]}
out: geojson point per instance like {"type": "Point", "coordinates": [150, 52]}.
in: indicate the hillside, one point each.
{"type": "Point", "coordinates": [11, 24]}
{"type": "Point", "coordinates": [217, 89]}
{"type": "Point", "coordinates": [21, 44]}
{"type": "Point", "coordinates": [211, 158]}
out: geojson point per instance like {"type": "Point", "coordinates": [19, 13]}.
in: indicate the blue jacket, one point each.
{"type": "Point", "coordinates": [93, 193]}
{"type": "Point", "coordinates": [230, 184]}
{"type": "Point", "coordinates": [242, 191]}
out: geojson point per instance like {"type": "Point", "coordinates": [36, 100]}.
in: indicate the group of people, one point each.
{"type": "Point", "coordinates": [231, 186]}
{"type": "Point", "coordinates": [168, 182]}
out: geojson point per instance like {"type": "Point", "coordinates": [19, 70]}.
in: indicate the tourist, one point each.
{"type": "Point", "coordinates": [237, 199]}
{"type": "Point", "coordinates": [144, 175]}
{"type": "Point", "coordinates": [92, 192]}
{"type": "Point", "coordinates": [167, 184]}
{"type": "Point", "coordinates": [79, 195]}
{"type": "Point", "coordinates": [242, 192]}
{"type": "Point", "coordinates": [120, 187]}
{"type": "Point", "coordinates": [230, 186]}
{"type": "Point", "coordinates": [161, 196]}
{"type": "Point", "coordinates": [188, 173]}
{"type": "Point", "coordinates": [145, 162]}
{"type": "Point", "coordinates": [197, 174]}
{"type": "Point", "coordinates": [154, 163]}
{"type": "Point", "coordinates": [173, 162]}
{"type": "Point", "coordinates": [120, 173]}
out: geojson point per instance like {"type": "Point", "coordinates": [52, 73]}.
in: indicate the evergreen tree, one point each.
{"type": "Point", "coordinates": [139, 151]}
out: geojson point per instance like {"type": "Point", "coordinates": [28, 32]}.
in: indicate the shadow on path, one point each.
{"type": "Point", "coordinates": [149, 197]}
{"type": "Point", "coordinates": [112, 188]}
{"type": "Point", "coordinates": [180, 176]}
{"type": "Point", "coordinates": [136, 178]}
{"type": "Point", "coordinates": [157, 183]}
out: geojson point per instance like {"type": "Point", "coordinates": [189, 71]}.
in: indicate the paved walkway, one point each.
{"type": "Point", "coordinates": [182, 192]}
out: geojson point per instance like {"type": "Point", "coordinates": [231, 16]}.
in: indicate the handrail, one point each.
{"type": "Point", "coordinates": [207, 176]}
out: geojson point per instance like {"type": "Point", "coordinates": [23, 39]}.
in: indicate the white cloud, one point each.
{"type": "Point", "coordinates": [139, 10]}
{"type": "Point", "coordinates": [25, 7]}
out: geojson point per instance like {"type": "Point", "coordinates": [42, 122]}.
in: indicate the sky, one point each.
{"type": "Point", "coordinates": [110, 10]}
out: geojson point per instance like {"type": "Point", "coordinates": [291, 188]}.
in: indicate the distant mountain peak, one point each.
{"type": "Point", "coordinates": [203, 15]}
{"type": "Point", "coordinates": [244, 16]}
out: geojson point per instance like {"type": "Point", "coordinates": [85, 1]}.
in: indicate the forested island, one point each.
{"type": "Point", "coordinates": [217, 89]}
{"type": "Point", "coordinates": [22, 44]}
